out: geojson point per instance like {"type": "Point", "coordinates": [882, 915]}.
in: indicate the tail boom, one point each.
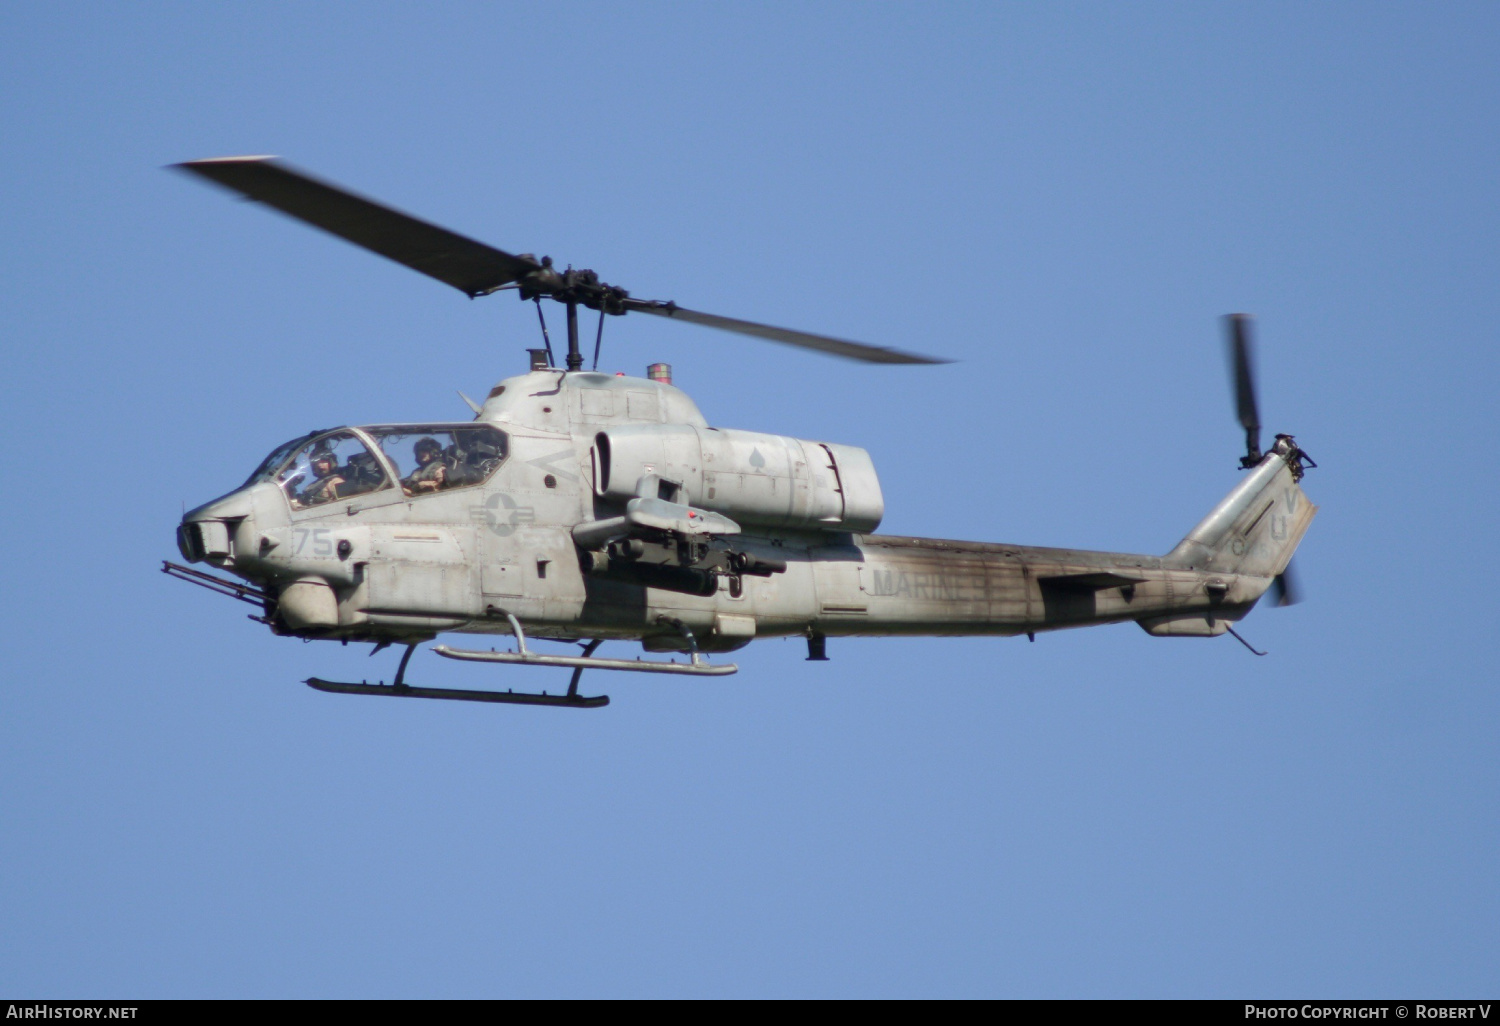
{"type": "Point", "coordinates": [882, 584]}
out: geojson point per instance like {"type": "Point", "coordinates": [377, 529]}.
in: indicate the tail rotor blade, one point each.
{"type": "Point", "coordinates": [1242, 367]}
{"type": "Point", "coordinates": [1284, 589]}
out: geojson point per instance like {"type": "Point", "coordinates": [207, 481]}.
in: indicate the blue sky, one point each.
{"type": "Point", "coordinates": [1064, 199]}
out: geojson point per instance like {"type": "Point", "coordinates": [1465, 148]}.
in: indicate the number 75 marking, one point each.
{"type": "Point", "coordinates": [322, 543]}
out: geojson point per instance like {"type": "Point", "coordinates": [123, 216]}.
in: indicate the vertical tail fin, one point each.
{"type": "Point", "coordinates": [1257, 527]}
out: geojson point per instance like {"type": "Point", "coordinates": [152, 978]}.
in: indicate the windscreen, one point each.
{"type": "Point", "coordinates": [432, 458]}
{"type": "Point", "coordinates": [331, 467]}
{"type": "Point", "coordinates": [273, 462]}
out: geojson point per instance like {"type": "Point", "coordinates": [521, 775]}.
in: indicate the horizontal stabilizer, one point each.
{"type": "Point", "coordinates": [1092, 581]}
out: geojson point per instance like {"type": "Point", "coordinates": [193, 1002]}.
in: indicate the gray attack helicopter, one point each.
{"type": "Point", "coordinates": [585, 507]}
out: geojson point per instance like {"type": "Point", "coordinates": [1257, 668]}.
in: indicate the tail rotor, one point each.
{"type": "Point", "coordinates": [1242, 369]}
{"type": "Point", "coordinates": [1285, 591]}
{"type": "Point", "coordinates": [1240, 348]}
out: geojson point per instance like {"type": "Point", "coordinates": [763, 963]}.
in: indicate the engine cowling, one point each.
{"type": "Point", "coordinates": [749, 477]}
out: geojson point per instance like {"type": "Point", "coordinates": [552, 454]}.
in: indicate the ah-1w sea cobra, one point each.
{"type": "Point", "coordinates": [585, 507]}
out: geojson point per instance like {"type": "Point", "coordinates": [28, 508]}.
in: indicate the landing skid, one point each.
{"type": "Point", "coordinates": [509, 697]}
{"type": "Point", "coordinates": [524, 656]}
{"type": "Point", "coordinates": [697, 668]}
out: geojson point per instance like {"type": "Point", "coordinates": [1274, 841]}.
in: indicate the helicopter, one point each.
{"type": "Point", "coordinates": [585, 507]}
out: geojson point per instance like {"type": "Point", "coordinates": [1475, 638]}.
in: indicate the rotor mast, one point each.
{"type": "Point", "coordinates": [575, 358]}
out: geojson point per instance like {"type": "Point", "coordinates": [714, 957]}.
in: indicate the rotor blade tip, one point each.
{"type": "Point", "coordinates": [205, 167]}
{"type": "Point", "coordinates": [229, 160]}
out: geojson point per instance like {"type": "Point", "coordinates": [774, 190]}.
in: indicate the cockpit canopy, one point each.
{"type": "Point", "coordinates": [423, 459]}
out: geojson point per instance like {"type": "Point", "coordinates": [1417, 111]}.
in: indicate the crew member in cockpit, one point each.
{"type": "Point", "coordinates": [432, 473]}
{"type": "Point", "coordinates": [327, 481]}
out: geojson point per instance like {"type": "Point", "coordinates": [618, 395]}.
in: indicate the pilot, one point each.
{"type": "Point", "coordinates": [431, 474]}
{"type": "Point", "coordinates": [327, 481]}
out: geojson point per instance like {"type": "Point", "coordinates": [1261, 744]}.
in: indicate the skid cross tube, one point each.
{"type": "Point", "coordinates": [588, 650]}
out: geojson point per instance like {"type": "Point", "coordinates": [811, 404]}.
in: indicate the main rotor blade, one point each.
{"type": "Point", "coordinates": [806, 340]}
{"type": "Point", "coordinates": [1242, 361]}
{"type": "Point", "coordinates": [471, 267]}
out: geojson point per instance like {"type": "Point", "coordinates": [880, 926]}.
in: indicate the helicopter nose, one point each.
{"type": "Point", "coordinates": [198, 539]}
{"type": "Point", "coordinates": [207, 540]}
{"type": "Point", "coordinates": [207, 534]}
